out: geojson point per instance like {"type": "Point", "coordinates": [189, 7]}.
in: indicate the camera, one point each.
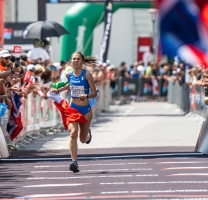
{"type": "Point", "coordinates": [17, 62]}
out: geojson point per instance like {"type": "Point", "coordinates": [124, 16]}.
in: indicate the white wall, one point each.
{"type": "Point", "coordinates": [121, 39]}
{"type": "Point", "coordinates": [55, 12]}
{"type": "Point", "coordinates": [28, 10]}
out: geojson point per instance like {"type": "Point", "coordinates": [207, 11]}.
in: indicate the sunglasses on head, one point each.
{"type": "Point", "coordinates": [7, 58]}
{"type": "Point", "coordinates": [53, 68]}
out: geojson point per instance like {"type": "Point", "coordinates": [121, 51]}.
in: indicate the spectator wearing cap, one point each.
{"type": "Point", "coordinates": [5, 57]}
{"type": "Point", "coordinates": [55, 72]}
{"type": "Point", "coordinates": [38, 52]}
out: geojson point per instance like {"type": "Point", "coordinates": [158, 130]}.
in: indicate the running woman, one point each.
{"type": "Point", "coordinates": [82, 89]}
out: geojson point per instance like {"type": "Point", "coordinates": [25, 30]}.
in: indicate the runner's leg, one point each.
{"type": "Point", "coordinates": [73, 128]}
{"type": "Point", "coordinates": [84, 128]}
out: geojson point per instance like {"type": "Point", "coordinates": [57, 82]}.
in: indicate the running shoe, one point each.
{"type": "Point", "coordinates": [90, 137]}
{"type": "Point", "coordinates": [74, 167]}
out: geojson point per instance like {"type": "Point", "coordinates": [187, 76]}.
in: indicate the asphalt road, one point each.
{"type": "Point", "coordinates": [138, 151]}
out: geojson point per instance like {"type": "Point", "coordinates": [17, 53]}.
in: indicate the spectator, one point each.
{"type": "Point", "coordinates": [122, 70]}
{"type": "Point", "coordinates": [38, 52]}
{"type": "Point", "coordinates": [134, 73]}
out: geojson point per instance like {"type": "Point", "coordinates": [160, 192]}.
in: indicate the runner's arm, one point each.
{"type": "Point", "coordinates": [66, 87]}
{"type": "Point", "coordinates": [90, 80]}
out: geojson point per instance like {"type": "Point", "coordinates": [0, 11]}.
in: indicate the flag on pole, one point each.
{"type": "Point", "coordinates": [107, 30]}
{"type": "Point", "coordinates": [14, 125]}
{"type": "Point", "coordinates": [183, 29]}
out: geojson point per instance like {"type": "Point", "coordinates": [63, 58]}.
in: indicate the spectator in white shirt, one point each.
{"type": "Point", "coordinates": [38, 52]}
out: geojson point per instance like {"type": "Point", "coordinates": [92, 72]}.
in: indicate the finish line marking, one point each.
{"type": "Point", "coordinates": [97, 170]}
{"type": "Point", "coordinates": [45, 166]}
{"type": "Point", "coordinates": [103, 157]}
{"type": "Point", "coordinates": [157, 182]}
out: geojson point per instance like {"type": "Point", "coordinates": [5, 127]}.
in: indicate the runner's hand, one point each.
{"type": "Point", "coordinates": [54, 90]}
{"type": "Point", "coordinates": [82, 97]}
{"type": "Point", "coordinates": [204, 82]}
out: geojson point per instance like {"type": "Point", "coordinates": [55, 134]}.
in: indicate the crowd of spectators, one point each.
{"type": "Point", "coordinates": [165, 72]}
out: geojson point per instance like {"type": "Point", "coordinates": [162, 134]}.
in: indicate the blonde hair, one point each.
{"type": "Point", "coordinates": [39, 69]}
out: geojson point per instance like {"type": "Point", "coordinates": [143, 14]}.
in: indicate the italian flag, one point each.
{"type": "Point", "coordinates": [68, 114]}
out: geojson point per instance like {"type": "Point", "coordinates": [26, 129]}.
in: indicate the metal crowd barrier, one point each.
{"type": "Point", "coordinates": [39, 119]}
{"type": "Point", "coordinates": [179, 95]}
{"type": "Point", "coordinates": [104, 98]}
{"type": "Point", "coordinates": [139, 87]}
{"type": "Point", "coordinates": [189, 99]}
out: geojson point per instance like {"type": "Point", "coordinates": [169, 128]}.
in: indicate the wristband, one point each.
{"type": "Point", "coordinates": [58, 91]}
{"type": "Point", "coordinates": [12, 71]}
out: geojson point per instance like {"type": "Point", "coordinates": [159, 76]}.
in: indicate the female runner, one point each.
{"type": "Point", "coordinates": [80, 82]}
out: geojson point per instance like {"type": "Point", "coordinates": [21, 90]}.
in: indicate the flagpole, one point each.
{"type": "Point", "coordinates": [153, 13]}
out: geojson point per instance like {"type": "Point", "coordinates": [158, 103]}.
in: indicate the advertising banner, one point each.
{"type": "Point", "coordinates": [107, 30]}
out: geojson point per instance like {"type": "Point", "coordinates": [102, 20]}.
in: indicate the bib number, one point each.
{"type": "Point", "coordinates": [77, 90]}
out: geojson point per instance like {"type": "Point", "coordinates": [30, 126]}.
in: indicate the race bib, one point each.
{"type": "Point", "coordinates": [77, 90]}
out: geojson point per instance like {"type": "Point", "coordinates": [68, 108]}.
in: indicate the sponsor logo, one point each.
{"type": "Point", "coordinates": [80, 38]}
{"type": "Point", "coordinates": [75, 81]}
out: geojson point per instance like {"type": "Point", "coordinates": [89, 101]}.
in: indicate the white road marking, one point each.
{"type": "Point", "coordinates": [96, 170]}
{"type": "Point", "coordinates": [185, 168]}
{"type": "Point", "coordinates": [55, 185]}
{"type": "Point", "coordinates": [147, 175]}
{"type": "Point", "coordinates": [157, 182]}
{"type": "Point", "coordinates": [190, 174]}
{"type": "Point", "coordinates": [45, 166]}
{"type": "Point", "coordinates": [51, 195]}
{"type": "Point", "coordinates": [169, 191]}
{"type": "Point", "coordinates": [159, 163]}
{"type": "Point", "coordinates": [78, 177]}
{"type": "Point", "coordinates": [155, 191]}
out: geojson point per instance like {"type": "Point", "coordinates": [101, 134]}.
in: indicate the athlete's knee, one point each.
{"type": "Point", "coordinates": [73, 133]}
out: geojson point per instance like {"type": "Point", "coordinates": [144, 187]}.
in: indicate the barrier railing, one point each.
{"type": "Point", "coordinates": [38, 115]}
{"type": "Point", "coordinates": [126, 87]}
{"type": "Point", "coordinates": [189, 99]}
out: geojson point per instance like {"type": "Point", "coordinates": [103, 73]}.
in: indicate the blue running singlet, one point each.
{"type": "Point", "coordinates": [78, 84]}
